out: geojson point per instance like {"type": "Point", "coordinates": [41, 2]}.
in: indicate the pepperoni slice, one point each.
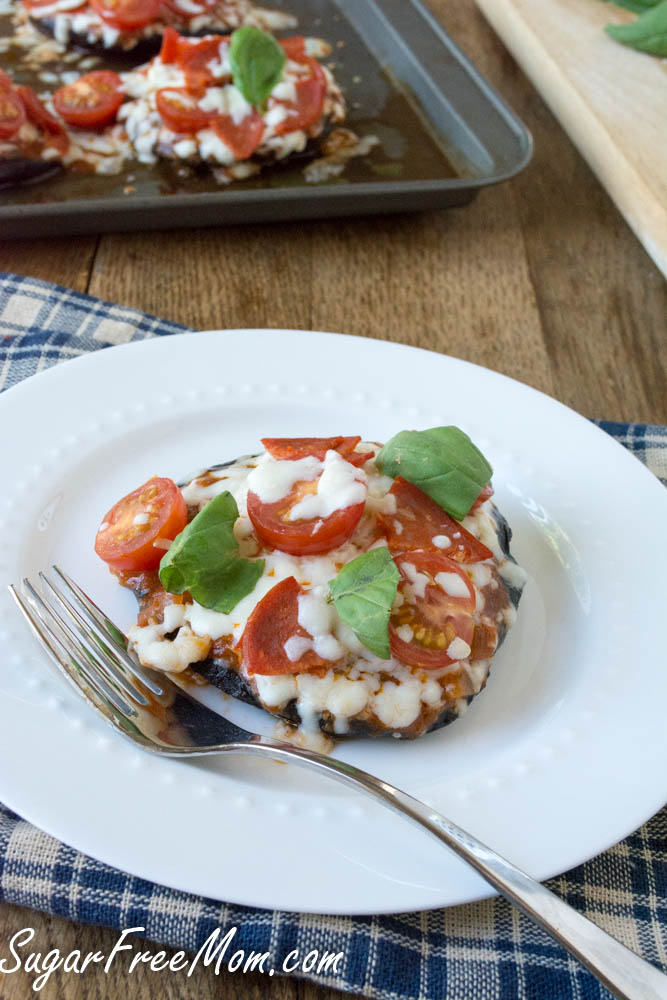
{"type": "Point", "coordinates": [306, 110]}
{"type": "Point", "coordinates": [273, 622]}
{"type": "Point", "coordinates": [243, 137]}
{"type": "Point", "coordinates": [296, 448]}
{"type": "Point", "coordinates": [179, 111]}
{"type": "Point", "coordinates": [421, 523]}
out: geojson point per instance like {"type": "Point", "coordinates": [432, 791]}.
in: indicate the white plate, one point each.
{"type": "Point", "coordinates": [563, 753]}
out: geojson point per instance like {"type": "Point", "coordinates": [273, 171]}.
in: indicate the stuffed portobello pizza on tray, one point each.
{"type": "Point", "coordinates": [345, 587]}
{"type": "Point", "coordinates": [127, 26]}
{"type": "Point", "coordinates": [227, 103]}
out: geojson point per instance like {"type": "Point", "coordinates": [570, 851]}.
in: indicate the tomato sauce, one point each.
{"type": "Point", "coordinates": [150, 594]}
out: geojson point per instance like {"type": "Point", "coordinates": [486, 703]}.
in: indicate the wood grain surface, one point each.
{"type": "Point", "coordinates": [540, 279]}
{"type": "Point", "coordinates": [596, 88]}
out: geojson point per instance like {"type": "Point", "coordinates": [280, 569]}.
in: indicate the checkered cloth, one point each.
{"type": "Point", "coordinates": [484, 951]}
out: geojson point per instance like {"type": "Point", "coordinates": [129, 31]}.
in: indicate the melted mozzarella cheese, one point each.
{"type": "Point", "coordinates": [482, 525]}
{"type": "Point", "coordinates": [458, 649]}
{"type": "Point", "coordinates": [319, 617]}
{"type": "Point", "coordinates": [156, 76]}
{"type": "Point", "coordinates": [441, 541]}
{"type": "Point", "coordinates": [418, 581]}
{"type": "Point", "coordinates": [296, 646]}
{"type": "Point", "coordinates": [171, 655]}
{"type": "Point", "coordinates": [185, 148]}
{"type": "Point", "coordinates": [226, 100]}
{"type": "Point", "coordinates": [340, 485]}
{"type": "Point", "coordinates": [220, 67]}
{"type": "Point", "coordinates": [398, 705]}
{"type": "Point", "coordinates": [211, 147]}
{"type": "Point", "coordinates": [275, 115]}
{"type": "Point", "coordinates": [332, 693]}
{"type": "Point", "coordinates": [276, 691]}
{"type": "Point", "coordinates": [187, 7]}
{"type": "Point", "coordinates": [452, 584]}
{"type": "Point", "coordinates": [283, 91]}
{"type": "Point", "coordinates": [272, 480]}
{"type": "Point", "coordinates": [232, 478]}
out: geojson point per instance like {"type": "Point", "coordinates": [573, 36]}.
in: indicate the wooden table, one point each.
{"type": "Point", "coordinates": [540, 279]}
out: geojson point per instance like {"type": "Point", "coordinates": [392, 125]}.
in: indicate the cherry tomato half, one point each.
{"type": "Point", "coordinates": [306, 110]}
{"type": "Point", "coordinates": [304, 537]}
{"type": "Point", "coordinates": [273, 621]}
{"type": "Point", "coordinates": [179, 111]}
{"type": "Point", "coordinates": [296, 448]}
{"type": "Point", "coordinates": [127, 15]}
{"type": "Point", "coordinates": [436, 616]}
{"type": "Point", "coordinates": [129, 530]}
{"type": "Point", "coordinates": [91, 101]}
{"type": "Point", "coordinates": [244, 137]}
{"type": "Point", "coordinates": [419, 519]}
{"type": "Point", "coordinates": [54, 131]}
{"type": "Point", "coordinates": [12, 113]}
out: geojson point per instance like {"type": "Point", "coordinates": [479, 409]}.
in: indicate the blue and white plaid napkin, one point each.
{"type": "Point", "coordinates": [482, 951]}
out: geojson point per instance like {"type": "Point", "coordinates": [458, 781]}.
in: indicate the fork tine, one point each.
{"type": "Point", "coordinates": [107, 631]}
{"type": "Point", "coordinates": [91, 689]}
{"type": "Point", "coordinates": [84, 660]}
{"type": "Point", "coordinates": [105, 658]}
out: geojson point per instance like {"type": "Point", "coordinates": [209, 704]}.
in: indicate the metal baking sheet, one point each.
{"type": "Point", "coordinates": [444, 133]}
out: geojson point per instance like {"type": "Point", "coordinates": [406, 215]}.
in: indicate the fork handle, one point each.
{"type": "Point", "coordinates": [623, 972]}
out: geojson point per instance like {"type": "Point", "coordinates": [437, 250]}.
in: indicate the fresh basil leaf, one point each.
{"type": "Point", "coordinates": [204, 559]}
{"type": "Point", "coordinates": [363, 594]}
{"type": "Point", "coordinates": [257, 62]}
{"type": "Point", "coordinates": [647, 34]}
{"type": "Point", "coordinates": [636, 6]}
{"type": "Point", "coordinates": [442, 462]}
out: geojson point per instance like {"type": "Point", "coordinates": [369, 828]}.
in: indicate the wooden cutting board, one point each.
{"type": "Point", "coordinates": [611, 100]}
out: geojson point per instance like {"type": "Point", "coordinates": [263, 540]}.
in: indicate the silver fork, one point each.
{"type": "Point", "coordinates": [150, 710]}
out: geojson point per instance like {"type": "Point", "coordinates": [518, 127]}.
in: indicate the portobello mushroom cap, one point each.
{"type": "Point", "coordinates": [223, 670]}
{"type": "Point", "coordinates": [17, 171]}
{"type": "Point", "coordinates": [224, 675]}
{"type": "Point", "coordinates": [135, 51]}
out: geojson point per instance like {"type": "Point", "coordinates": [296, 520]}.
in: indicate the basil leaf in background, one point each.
{"type": "Point", "coordinates": [647, 34]}
{"type": "Point", "coordinates": [636, 6]}
{"type": "Point", "coordinates": [442, 462]}
{"type": "Point", "coordinates": [257, 64]}
{"type": "Point", "coordinates": [363, 594]}
{"type": "Point", "coordinates": [204, 559]}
